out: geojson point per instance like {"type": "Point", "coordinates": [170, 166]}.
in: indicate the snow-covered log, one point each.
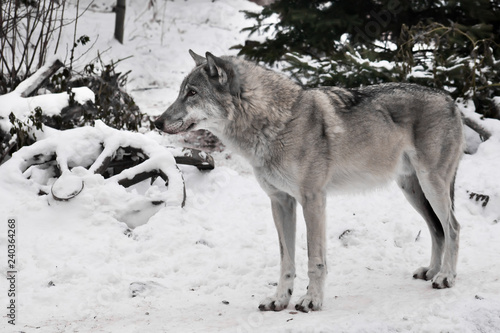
{"type": "Point", "coordinates": [66, 163]}
{"type": "Point", "coordinates": [29, 86]}
{"type": "Point", "coordinates": [476, 127]}
{"type": "Point", "coordinates": [51, 104]}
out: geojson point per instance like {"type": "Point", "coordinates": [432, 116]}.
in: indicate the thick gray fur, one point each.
{"type": "Point", "coordinates": [303, 143]}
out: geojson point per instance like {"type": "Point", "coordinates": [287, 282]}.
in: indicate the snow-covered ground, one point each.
{"type": "Point", "coordinates": [205, 267]}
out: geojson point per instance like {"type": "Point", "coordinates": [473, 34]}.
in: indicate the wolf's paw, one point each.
{"type": "Point", "coordinates": [425, 273]}
{"type": "Point", "coordinates": [443, 280]}
{"type": "Point", "coordinates": [274, 303]}
{"type": "Point", "coordinates": [309, 303]}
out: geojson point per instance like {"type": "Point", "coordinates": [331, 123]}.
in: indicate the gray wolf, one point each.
{"type": "Point", "coordinates": [303, 143]}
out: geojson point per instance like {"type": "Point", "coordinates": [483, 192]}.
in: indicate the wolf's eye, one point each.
{"type": "Point", "coordinates": [191, 93]}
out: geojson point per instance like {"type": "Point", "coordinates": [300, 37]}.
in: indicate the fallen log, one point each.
{"type": "Point", "coordinates": [29, 86]}
{"type": "Point", "coordinates": [473, 125]}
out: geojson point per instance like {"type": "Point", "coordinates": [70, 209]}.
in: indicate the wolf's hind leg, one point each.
{"type": "Point", "coordinates": [410, 186]}
{"type": "Point", "coordinates": [438, 191]}
{"type": "Point", "coordinates": [284, 215]}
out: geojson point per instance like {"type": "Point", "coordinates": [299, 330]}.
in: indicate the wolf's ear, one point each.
{"type": "Point", "coordinates": [224, 72]}
{"type": "Point", "coordinates": [198, 59]}
{"type": "Point", "coordinates": [215, 68]}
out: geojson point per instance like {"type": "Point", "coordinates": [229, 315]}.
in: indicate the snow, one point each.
{"type": "Point", "coordinates": [109, 261]}
{"type": "Point", "coordinates": [375, 64]}
{"type": "Point", "coordinates": [51, 104]}
{"type": "Point", "coordinates": [89, 147]}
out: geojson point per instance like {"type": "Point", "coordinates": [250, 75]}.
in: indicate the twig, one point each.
{"type": "Point", "coordinates": [74, 38]}
{"type": "Point", "coordinates": [88, 50]}
{"type": "Point", "coordinates": [14, 37]}
{"type": "Point", "coordinates": [47, 36]}
{"type": "Point", "coordinates": [488, 86]}
{"type": "Point", "coordinates": [60, 26]}
{"type": "Point", "coordinates": [27, 30]}
{"type": "Point", "coordinates": [163, 22]}
{"type": "Point", "coordinates": [71, 21]}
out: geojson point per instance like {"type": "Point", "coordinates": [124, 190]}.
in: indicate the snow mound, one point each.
{"type": "Point", "coordinates": [81, 157]}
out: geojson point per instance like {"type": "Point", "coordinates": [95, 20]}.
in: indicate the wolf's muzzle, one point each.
{"type": "Point", "coordinates": [159, 123]}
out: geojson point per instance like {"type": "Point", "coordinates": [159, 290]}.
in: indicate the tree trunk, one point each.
{"type": "Point", "coordinates": [120, 20]}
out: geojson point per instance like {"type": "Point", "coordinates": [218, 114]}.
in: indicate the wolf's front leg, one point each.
{"type": "Point", "coordinates": [314, 205]}
{"type": "Point", "coordinates": [284, 208]}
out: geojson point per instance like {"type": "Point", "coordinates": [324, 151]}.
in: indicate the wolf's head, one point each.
{"type": "Point", "coordinates": [204, 98]}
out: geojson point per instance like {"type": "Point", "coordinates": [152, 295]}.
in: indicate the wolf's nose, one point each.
{"type": "Point", "coordinates": [159, 123]}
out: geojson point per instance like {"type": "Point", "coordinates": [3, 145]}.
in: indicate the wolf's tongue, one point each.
{"type": "Point", "coordinates": [174, 127]}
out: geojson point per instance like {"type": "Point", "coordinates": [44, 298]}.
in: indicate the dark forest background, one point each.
{"type": "Point", "coordinates": [451, 45]}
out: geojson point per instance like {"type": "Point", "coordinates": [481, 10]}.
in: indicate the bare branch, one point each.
{"type": "Point", "coordinates": [60, 26]}
{"type": "Point", "coordinates": [476, 127]}
{"type": "Point", "coordinates": [74, 37]}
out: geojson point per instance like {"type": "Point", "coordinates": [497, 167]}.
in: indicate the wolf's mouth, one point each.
{"type": "Point", "coordinates": [179, 126]}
